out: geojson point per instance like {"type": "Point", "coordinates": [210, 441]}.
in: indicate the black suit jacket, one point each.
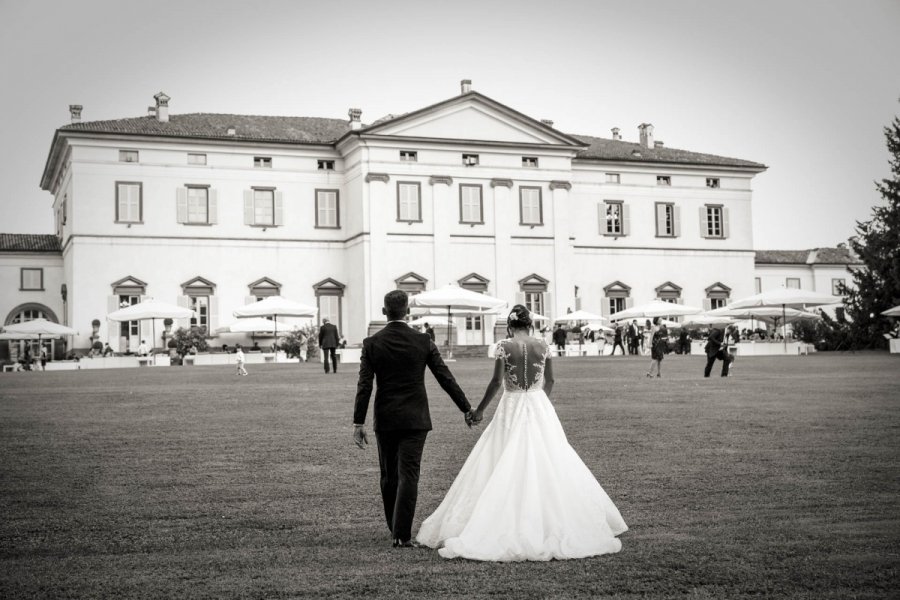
{"type": "Point", "coordinates": [714, 342]}
{"type": "Point", "coordinates": [328, 336]}
{"type": "Point", "coordinates": [395, 359]}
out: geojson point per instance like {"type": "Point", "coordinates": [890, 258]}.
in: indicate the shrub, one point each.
{"type": "Point", "coordinates": [193, 336]}
{"type": "Point", "coordinates": [306, 337]}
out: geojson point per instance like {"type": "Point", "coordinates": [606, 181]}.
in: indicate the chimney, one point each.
{"type": "Point", "coordinates": [355, 114]}
{"type": "Point", "coordinates": [465, 86]}
{"type": "Point", "coordinates": [616, 134]}
{"type": "Point", "coordinates": [658, 144]}
{"type": "Point", "coordinates": [162, 107]}
{"type": "Point", "coordinates": [547, 122]}
{"type": "Point", "coordinates": [231, 130]}
{"type": "Point", "coordinates": [75, 112]}
{"type": "Point", "coordinates": [151, 111]}
{"type": "Point", "coordinates": [646, 132]}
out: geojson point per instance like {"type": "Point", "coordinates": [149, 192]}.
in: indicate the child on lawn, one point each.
{"type": "Point", "coordinates": [239, 355]}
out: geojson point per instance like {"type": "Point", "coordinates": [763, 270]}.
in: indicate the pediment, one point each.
{"type": "Point", "coordinates": [329, 284]}
{"type": "Point", "coordinates": [617, 286]}
{"type": "Point", "coordinates": [265, 282]}
{"type": "Point", "coordinates": [131, 283]}
{"type": "Point", "coordinates": [473, 117]}
{"type": "Point", "coordinates": [668, 287]}
{"type": "Point", "coordinates": [198, 284]}
{"type": "Point", "coordinates": [718, 287]}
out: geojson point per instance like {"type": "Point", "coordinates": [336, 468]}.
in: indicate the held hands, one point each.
{"type": "Point", "coordinates": [360, 437]}
{"type": "Point", "coordinates": [473, 417]}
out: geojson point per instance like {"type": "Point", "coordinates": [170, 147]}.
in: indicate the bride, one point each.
{"type": "Point", "coordinates": [523, 493]}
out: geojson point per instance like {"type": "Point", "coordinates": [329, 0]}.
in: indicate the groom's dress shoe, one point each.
{"type": "Point", "coordinates": [407, 544]}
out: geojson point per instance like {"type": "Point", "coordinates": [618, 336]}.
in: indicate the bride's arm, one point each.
{"type": "Point", "coordinates": [491, 391]}
{"type": "Point", "coordinates": [548, 376]}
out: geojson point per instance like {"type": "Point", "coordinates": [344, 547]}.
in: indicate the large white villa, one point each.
{"type": "Point", "coordinates": [213, 211]}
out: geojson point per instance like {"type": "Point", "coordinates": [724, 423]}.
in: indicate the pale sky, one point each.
{"type": "Point", "coordinates": [805, 87]}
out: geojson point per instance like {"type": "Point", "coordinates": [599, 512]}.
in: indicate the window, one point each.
{"type": "Point", "coordinates": [717, 296]}
{"type": "Point", "coordinates": [409, 156]}
{"type": "Point", "coordinates": [531, 211]}
{"type": "Point", "coordinates": [409, 202]}
{"type": "Point", "coordinates": [612, 218]}
{"type": "Point", "coordinates": [713, 222]}
{"type": "Point", "coordinates": [530, 161]}
{"type": "Point", "coordinates": [470, 160]}
{"type": "Point", "coordinates": [471, 209]}
{"type": "Point", "coordinates": [534, 302]}
{"type": "Point", "coordinates": [128, 202]}
{"type": "Point", "coordinates": [792, 283]}
{"type": "Point", "coordinates": [837, 286]}
{"type": "Point", "coordinates": [616, 304]}
{"type": "Point", "coordinates": [663, 180]}
{"type": "Point", "coordinates": [196, 159]}
{"type": "Point", "coordinates": [329, 297]}
{"type": "Point", "coordinates": [31, 279]}
{"type": "Point", "coordinates": [666, 225]}
{"type": "Point", "coordinates": [712, 182]}
{"type": "Point", "coordinates": [200, 305]}
{"type": "Point", "coordinates": [30, 314]}
{"type": "Point", "coordinates": [669, 292]}
{"type": "Point", "coordinates": [411, 283]}
{"type": "Point", "coordinates": [613, 178]}
{"type": "Point", "coordinates": [197, 205]}
{"type": "Point", "coordinates": [757, 285]}
{"type": "Point", "coordinates": [475, 323]}
{"type": "Point", "coordinates": [263, 288]}
{"type": "Point", "coordinates": [326, 165]}
{"type": "Point", "coordinates": [327, 209]}
{"type": "Point", "coordinates": [129, 329]}
{"type": "Point", "coordinates": [264, 162]}
{"type": "Point", "coordinates": [715, 303]}
{"type": "Point", "coordinates": [128, 156]}
{"type": "Point", "coordinates": [263, 207]}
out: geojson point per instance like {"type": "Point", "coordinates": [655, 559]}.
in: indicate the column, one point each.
{"type": "Point", "coordinates": [505, 217]}
{"type": "Point", "coordinates": [442, 213]}
{"type": "Point", "coordinates": [563, 267]}
{"type": "Point", "coordinates": [377, 205]}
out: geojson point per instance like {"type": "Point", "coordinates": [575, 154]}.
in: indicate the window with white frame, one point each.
{"type": "Point", "coordinates": [530, 162]}
{"type": "Point", "coordinates": [792, 283]}
{"type": "Point", "coordinates": [325, 165]}
{"type": "Point", "coordinates": [130, 156]}
{"type": "Point", "coordinates": [327, 209]}
{"type": "Point", "coordinates": [712, 182]}
{"type": "Point", "coordinates": [714, 225]}
{"type": "Point", "coordinates": [196, 158]}
{"type": "Point", "coordinates": [470, 160]}
{"type": "Point", "coordinates": [613, 178]}
{"type": "Point", "coordinates": [263, 207]}
{"type": "Point", "coordinates": [329, 299]}
{"type": "Point", "coordinates": [31, 279]}
{"type": "Point", "coordinates": [616, 303]}
{"type": "Point", "coordinates": [717, 296]}
{"type": "Point", "coordinates": [128, 202]}
{"type": "Point", "coordinates": [837, 286]}
{"type": "Point", "coordinates": [663, 180]}
{"type": "Point", "coordinates": [409, 201]}
{"type": "Point", "coordinates": [665, 219]}
{"type": "Point", "coordinates": [531, 211]}
{"type": "Point", "coordinates": [197, 204]}
{"type": "Point", "coordinates": [616, 296]}
{"type": "Point", "coordinates": [200, 306]}
{"type": "Point", "coordinates": [409, 156]}
{"type": "Point", "coordinates": [534, 302]}
{"type": "Point", "coordinates": [471, 209]}
{"type": "Point", "coordinates": [612, 215]}
{"type": "Point", "coordinates": [262, 162]}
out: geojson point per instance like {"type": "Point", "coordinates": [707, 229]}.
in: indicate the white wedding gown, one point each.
{"type": "Point", "coordinates": [524, 493]}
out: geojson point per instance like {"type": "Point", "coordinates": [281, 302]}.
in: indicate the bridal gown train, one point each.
{"type": "Point", "coordinates": [524, 493]}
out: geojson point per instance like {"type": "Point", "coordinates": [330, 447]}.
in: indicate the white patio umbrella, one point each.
{"type": "Point", "coordinates": [150, 309]}
{"type": "Point", "coordinates": [706, 320]}
{"type": "Point", "coordinates": [784, 298]}
{"type": "Point", "coordinates": [254, 325]}
{"type": "Point", "coordinates": [655, 308]}
{"type": "Point", "coordinates": [26, 336]}
{"type": "Point", "coordinates": [454, 298]}
{"type": "Point", "coordinates": [892, 312]}
{"type": "Point", "coordinates": [430, 319]}
{"type": "Point", "coordinates": [276, 306]}
{"type": "Point", "coordinates": [578, 315]}
{"type": "Point", "coordinates": [37, 327]}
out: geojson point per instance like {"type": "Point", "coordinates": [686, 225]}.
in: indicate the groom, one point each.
{"type": "Point", "coordinates": [396, 357]}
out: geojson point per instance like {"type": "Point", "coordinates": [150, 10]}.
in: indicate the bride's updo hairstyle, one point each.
{"type": "Point", "coordinates": [519, 318]}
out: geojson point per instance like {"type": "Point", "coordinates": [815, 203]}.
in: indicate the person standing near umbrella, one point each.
{"type": "Point", "coordinates": [430, 331]}
{"type": "Point", "coordinates": [658, 336]}
{"type": "Point", "coordinates": [716, 349]}
{"type": "Point", "coordinates": [617, 341]}
{"type": "Point", "coordinates": [329, 338]}
{"type": "Point", "coordinates": [559, 338]}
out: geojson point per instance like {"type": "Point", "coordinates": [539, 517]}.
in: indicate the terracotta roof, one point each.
{"type": "Point", "coordinates": [28, 242]}
{"type": "Point", "coordinates": [816, 256]}
{"type": "Point", "coordinates": [606, 149]}
{"type": "Point", "coordinates": [294, 130]}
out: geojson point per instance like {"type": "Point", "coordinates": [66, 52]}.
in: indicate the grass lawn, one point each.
{"type": "Point", "coordinates": [781, 481]}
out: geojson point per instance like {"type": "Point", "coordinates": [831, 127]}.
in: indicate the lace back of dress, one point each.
{"type": "Point", "coordinates": [523, 362]}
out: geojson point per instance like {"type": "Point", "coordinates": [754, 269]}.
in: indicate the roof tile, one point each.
{"type": "Point", "coordinates": [28, 242]}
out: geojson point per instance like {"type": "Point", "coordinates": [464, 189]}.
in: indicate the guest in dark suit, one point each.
{"type": "Point", "coordinates": [430, 331]}
{"type": "Point", "coordinates": [633, 335]}
{"type": "Point", "coordinates": [395, 358]}
{"type": "Point", "coordinates": [559, 338]}
{"type": "Point", "coordinates": [617, 341]}
{"type": "Point", "coordinates": [329, 338]}
{"type": "Point", "coordinates": [716, 348]}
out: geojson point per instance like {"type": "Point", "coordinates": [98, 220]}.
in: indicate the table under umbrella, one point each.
{"type": "Point", "coordinates": [454, 298]}
{"type": "Point", "coordinates": [276, 306]}
{"type": "Point", "coordinates": [785, 298]}
{"type": "Point", "coordinates": [151, 309]}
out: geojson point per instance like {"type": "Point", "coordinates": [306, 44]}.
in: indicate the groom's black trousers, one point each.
{"type": "Point", "coordinates": [400, 455]}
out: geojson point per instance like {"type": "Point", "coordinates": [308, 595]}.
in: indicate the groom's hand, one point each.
{"type": "Point", "coordinates": [360, 437]}
{"type": "Point", "coordinates": [471, 418]}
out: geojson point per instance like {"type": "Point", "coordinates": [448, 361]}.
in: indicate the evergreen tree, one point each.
{"type": "Point", "coordinates": [878, 245]}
